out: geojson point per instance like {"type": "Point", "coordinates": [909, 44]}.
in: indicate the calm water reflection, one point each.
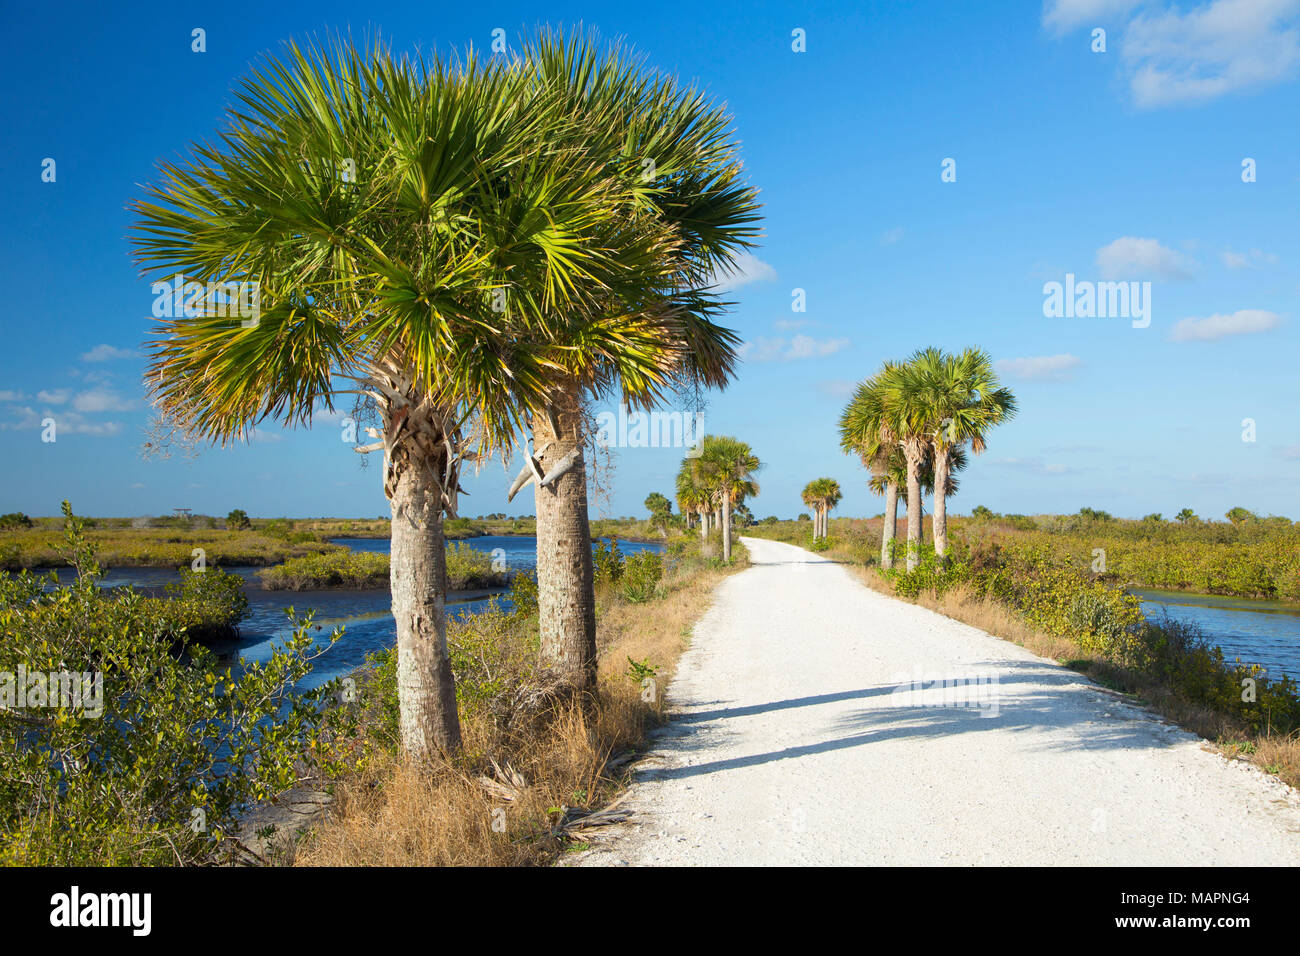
{"type": "Point", "coordinates": [1256, 632]}
{"type": "Point", "coordinates": [366, 614]}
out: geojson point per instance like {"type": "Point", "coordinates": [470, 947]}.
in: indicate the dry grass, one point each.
{"type": "Point", "coordinates": [1274, 753]}
{"type": "Point", "coordinates": [390, 814]}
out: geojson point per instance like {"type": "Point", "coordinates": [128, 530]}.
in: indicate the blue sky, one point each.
{"type": "Point", "coordinates": [1124, 164]}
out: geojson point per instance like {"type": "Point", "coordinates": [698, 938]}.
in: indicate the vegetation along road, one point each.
{"type": "Point", "coordinates": [810, 727]}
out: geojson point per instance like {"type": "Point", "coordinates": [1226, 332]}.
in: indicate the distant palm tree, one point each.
{"type": "Point", "coordinates": [821, 495]}
{"type": "Point", "coordinates": [691, 499]}
{"type": "Point", "coordinates": [725, 470]}
{"type": "Point", "coordinates": [964, 400]}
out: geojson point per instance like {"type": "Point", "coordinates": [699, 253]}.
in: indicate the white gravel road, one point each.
{"type": "Point", "coordinates": [792, 744]}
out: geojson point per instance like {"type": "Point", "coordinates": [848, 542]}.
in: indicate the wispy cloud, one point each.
{"type": "Point", "coordinates": [1248, 260]}
{"type": "Point", "coordinates": [1221, 325]}
{"type": "Point", "coordinates": [1036, 466]}
{"type": "Point", "coordinates": [102, 400]}
{"type": "Point", "coordinates": [1040, 367]}
{"type": "Point", "coordinates": [8, 395]}
{"type": "Point", "coordinates": [1173, 56]}
{"type": "Point", "coordinates": [837, 388]}
{"type": "Point", "coordinates": [1221, 47]}
{"type": "Point", "coordinates": [892, 236]}
{"type": "Point", "coordinates": [766, 349]}
{"type": "Point", "coordinates": [1132, 258]}
{"type": "Point", "coordinates": [107, 353]}
{"type": "Point", "coordinates": [745, 268]}
{"type": "Point", "coordinates": [1062, 15]}
{"type": "Point", "coordinates": [53, 396]}
{"type": "Point", "coordinates": [66, 423]}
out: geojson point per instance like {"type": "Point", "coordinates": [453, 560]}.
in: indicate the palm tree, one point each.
{"type": "Point", "coordinates": [690, 497]}
{"type": "Point", "coordinates": [888, 474]}
{"type": "Point", "coordinates": [964, 399]}
{"type": "Point", "coordinates": [681, 197]}
{"type": "Point", "coordinates": [867, 431]}
{"type": "Point", "coordinates": [809, 497]}
{"type": "Point", "coordinates": [821, 495]}
{"type": "Point", "coordinates": [726, 469]}
{"type": "Point", "coordinates": [377, 203]}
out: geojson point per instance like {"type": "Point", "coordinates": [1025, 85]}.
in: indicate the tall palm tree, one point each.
{"type": "Point", "coordinates": [726, 469]}
{"type": "Point", "coordinates": [379, 283]}
{"type": "Point", "coordinates": [675, 160]}
{"type": "Point", "coordinates": [965, 399]}
{"type": "Point", "coordinates": [867, 431]}
{"type": "Point", "coordinates": [888, 474]}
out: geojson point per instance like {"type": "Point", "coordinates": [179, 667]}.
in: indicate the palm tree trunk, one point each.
{"type": "Point", "coordinates": [426, 687]}
{"type": "Point", "coordinates": [726, 529]}
{"type": "Point", "coordinates": [566, 600]}
{"type": "Point", "coordinates": [940, 515]}
{"type": "Point", "coordinates": [890, 528]}
{"type": "Point", "coordinates": [913, 451]}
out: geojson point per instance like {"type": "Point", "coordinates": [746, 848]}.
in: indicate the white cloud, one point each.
{"type": "Point", "coordinates": [1221, 47]}
{"type": "Point", "coordinates": [1062, 15]}
{"type": "Point", "coordinates": [1132, 258]}
{"type": "Point", "coordinates": [53, 396]}
{"type": "Point", "coordinates": [892, 236]}
{"type": "Point", "coordinates": [1040, 367]}
{"type": "Point", "coordinates": [1248, 260]}
{"type": "Point", "coordinates": [1173, 56]}
{"type": "Point", "coordinates": [789, 350]}
{"type": "Point", "coordinates": [789, 325]}
{"type": "Point", "coordinates": [106, 353]}
{"type": "Point", "coordinates": [1219, 325]}
{"type": "Point", "coordinates": [745, 268]}
{"type": "Point", "coordinates": [101, 400]}
{"type": "Point", "coordinates": [11, 396]}
{"type": "Point", "coordinates": [1036, 466]}
{"type": "Point", "coordinates": [66, 423]}
{"type": "Point", "coordinates": [837, 388]}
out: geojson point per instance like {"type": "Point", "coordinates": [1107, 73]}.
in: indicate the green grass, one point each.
{"type": "Point", "coordinates": [467, 569]}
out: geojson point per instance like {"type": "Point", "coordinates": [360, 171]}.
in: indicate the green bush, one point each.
{"type": "Point", "coordinates": [607, 562]}
{"type": "Point", "coordinates": [157, 770]}
{"type": "Point", "coordinates": [640, 578]}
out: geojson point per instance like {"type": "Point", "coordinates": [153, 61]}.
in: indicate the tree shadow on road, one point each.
{"type": "Point", "coordinates": [1050, 708]}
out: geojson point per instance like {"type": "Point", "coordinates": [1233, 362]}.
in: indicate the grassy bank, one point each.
{"type": "Point", "coordinates": [158, 548]}
{"type": "Point", "coordinates": [170, 542]}
{"type": "Point", "coordinates": [467, 569]}
{"type": "Point", "coordinates": [522, 791]}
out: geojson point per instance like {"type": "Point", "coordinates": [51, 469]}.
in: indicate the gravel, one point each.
{"type": "Point", "coordinates": [792, 743]}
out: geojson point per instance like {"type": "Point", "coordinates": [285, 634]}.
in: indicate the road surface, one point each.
{"type": "Point", "coordinates": [819, 722]}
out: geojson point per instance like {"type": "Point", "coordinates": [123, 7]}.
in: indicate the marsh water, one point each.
{"type": "Point", "coordinates": [366, 614]}
{"type": "Point", "coordinates": [1255, 632]}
